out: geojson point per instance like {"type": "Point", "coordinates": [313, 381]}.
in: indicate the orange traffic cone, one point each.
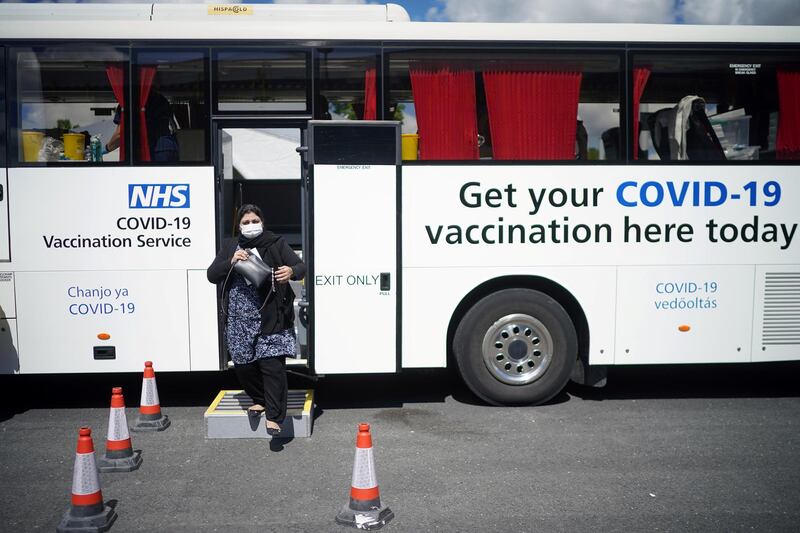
{"type": "Point", "coordinates": [150, 416]}
{"type": "Point", "coordinates": [364, 511]}
{"type": "Point", "coordinates": [87, 512]}
{"type": "Point", "coordinates": [120, 456]}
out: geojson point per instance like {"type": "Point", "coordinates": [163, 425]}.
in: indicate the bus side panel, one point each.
{"type": "Point", "coordinates": [8, 303]}
{"type": "Point", "coordinates": [692, 226]}
{"type": "Point", "coordinates": [776, 317]}
{"type": "Point", "coordinates": [9, 355]}
{"type": "Point", "coordinates": [5, 249]}
{"type": "Point", "coordinates": [100, 260]}
{"type": "Point", "coordinates": [69, 321]}
{"type": "Point", "coordinates": [105, 218]}
{"type": "Point", "coordinates": [203, 338]}
{"type": "Point", "coordinates": [684, 314]}
{"type": "Point", "coordinates": [431, 295]}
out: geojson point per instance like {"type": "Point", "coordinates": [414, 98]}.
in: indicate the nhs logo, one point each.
{"type": "Point", "coordinates": [158, 195]}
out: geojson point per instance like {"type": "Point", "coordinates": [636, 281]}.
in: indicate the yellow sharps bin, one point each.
{"type": "Point", "coordinates": [31, 144]}
{"type": "Point", "coordinates": [73, 146]}
{"type": "Point", "coordinates": [410, 145]}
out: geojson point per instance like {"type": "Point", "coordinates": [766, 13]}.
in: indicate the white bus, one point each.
{"type": "Point", "coordinates": [569, 197]}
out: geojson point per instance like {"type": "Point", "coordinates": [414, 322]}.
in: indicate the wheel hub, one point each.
{"type": "Point", "coordinates": [517, 349]}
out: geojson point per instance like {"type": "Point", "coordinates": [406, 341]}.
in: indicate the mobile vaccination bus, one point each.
{"type": "Point", "coordinates": [529, 203]}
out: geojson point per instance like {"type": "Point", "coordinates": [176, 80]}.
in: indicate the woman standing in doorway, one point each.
{"type": "Point", "coordinates": [259, 322]}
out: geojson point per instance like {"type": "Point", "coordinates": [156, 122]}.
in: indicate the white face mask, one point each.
{"type": "Point", "coordinates": [252, 230]}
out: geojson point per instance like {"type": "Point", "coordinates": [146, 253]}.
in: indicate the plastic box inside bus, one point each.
{"type": "Point", "coordinates": [733, 132]}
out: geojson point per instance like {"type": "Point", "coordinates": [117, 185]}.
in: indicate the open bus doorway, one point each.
{"type": "Point", "coordinates": [259, 164]}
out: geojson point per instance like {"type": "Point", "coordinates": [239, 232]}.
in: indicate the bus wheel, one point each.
{"type": "Point", "coordinates": [515, 347]}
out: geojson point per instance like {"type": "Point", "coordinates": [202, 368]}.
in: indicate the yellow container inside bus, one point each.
{"type": "Point", "coordinates": [31, 144]}
{"type": "Point", "coordinates": [73, 146]}
{"type": "Point", "coordinates": [410, 145]}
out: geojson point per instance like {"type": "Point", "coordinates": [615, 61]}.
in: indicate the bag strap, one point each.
{"type": "Point", "coordinates": [233, 246]}
{"type": "Point", "coordinates": [282, 290]}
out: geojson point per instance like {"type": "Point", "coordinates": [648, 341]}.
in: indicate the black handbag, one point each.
{"type": "Point", "coordinates": [254, 270]}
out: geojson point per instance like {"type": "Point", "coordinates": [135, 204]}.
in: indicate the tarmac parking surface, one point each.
{"type": "Point", "coordinates": [692, 448]}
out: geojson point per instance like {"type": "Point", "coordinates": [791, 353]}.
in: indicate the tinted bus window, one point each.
{"type": "Point", "coordinates": [170, 96]}
{"type": "Point", "coordinates": [508, 105]}
{"type": "Point", "coordinates": [733, 106]}
{"type": "Point", "coordinates": [65, 97]}
{"type": "Point", "coordinates": [347, 85]}
{"type": "Point", "coordinates": [261, 81]}
{"type": "Point", "coordinates": [2, 107]}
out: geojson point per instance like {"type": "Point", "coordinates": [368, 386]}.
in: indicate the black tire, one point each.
{"type": "Point", "coordinates": [497, 341]}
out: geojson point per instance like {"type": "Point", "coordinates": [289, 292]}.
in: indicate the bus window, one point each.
{"type": "Point", "coordinates": [170, 95]}
{"type": "Point", "coordinates": [508, 105]}
{"type": "Point", "coordinates": [731, 106]}
{"type": "Point", "coordinates": [261, 81]}
{"type": "Point", "coordinates": [347, 85]}
{"type": "Point", "coordinates": [67, 96]}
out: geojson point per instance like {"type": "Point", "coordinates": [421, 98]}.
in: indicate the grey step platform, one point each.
{"type": "Point", "coordinates": [226, 417]}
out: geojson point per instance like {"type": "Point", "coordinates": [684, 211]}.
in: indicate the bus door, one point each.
{"type": "Point", "coordinates": [5, 254]}
{"type": "Point", "coordinates": [258, 163]}
{"type": "Point", "coordinates": [353, 179]}
{"type": "Point", "coordinates": [9, 361]}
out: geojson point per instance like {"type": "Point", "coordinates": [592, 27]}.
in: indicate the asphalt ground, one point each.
{"type": "Point", "coordinates": [691, 448]}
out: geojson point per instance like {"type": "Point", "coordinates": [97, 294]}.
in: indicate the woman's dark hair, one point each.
{"type": "Point", "coordinates": [248, 208]}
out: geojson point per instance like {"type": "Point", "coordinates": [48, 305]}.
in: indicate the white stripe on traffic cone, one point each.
{"type": "Point", "coordinates": [150, 416]}
{"type": "Point", "coordinates": [365, 481]}
{"type": "Point", "coordinates": [149, 404]}
{"type": "Point", "coordinates": [85, 481]}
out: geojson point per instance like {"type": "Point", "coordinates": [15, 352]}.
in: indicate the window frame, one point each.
{"type": "Point", "coordinates": [377, 53]}
{"type": "Point", "coordinates": [12, 123]}
{"type": "Point", "coordinates": [782, 49]}
{"type": "Point", "coordinates": [136, 51]}
{"type": "Point", "coordinates": [267, 48]}
{"type": "Point", "coordinates": [617, 49]}
{"type": "Point", "coordinates": [626, 51]}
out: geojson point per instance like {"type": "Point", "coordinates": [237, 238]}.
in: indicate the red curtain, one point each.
{"type": "Point", "coordinates": [447, 123]}
{"type": "Point", "coordinates": [116, 77]}
{"type": "Point", "coordinates": [532, 115]}
{"type": "Point", "coordinates": [146, 76]}
{"type": "Point", "coordinates": [640, 77]}
{"type": "Point", "coordinates": [788, 142]}
{"type": "Point", "coordinates": [370, 95]}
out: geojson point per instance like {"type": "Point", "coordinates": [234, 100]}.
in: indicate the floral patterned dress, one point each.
{"type": "Point", "coordinates": [243, 330]}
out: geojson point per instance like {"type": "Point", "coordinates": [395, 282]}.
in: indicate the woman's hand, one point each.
{"type": "Point", "coordinates": [239, 255]}
{"type": "Point", "coordinates": [283, 274]}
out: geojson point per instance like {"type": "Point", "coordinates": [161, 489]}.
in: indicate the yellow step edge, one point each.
{"type": "Point", "coordinates": [212, 409]}
{"type": "Point", "coordinates": [215, 403]}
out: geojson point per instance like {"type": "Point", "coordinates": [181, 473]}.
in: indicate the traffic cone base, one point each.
{"type": "Point", "coordinates": [368, 520]}
{"type": "Point", "coordinates": [128, 463]}
{"type": "Point", "coordinates": [96, 523]}
{"type": "Point", "coordinates": [144, 423]}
